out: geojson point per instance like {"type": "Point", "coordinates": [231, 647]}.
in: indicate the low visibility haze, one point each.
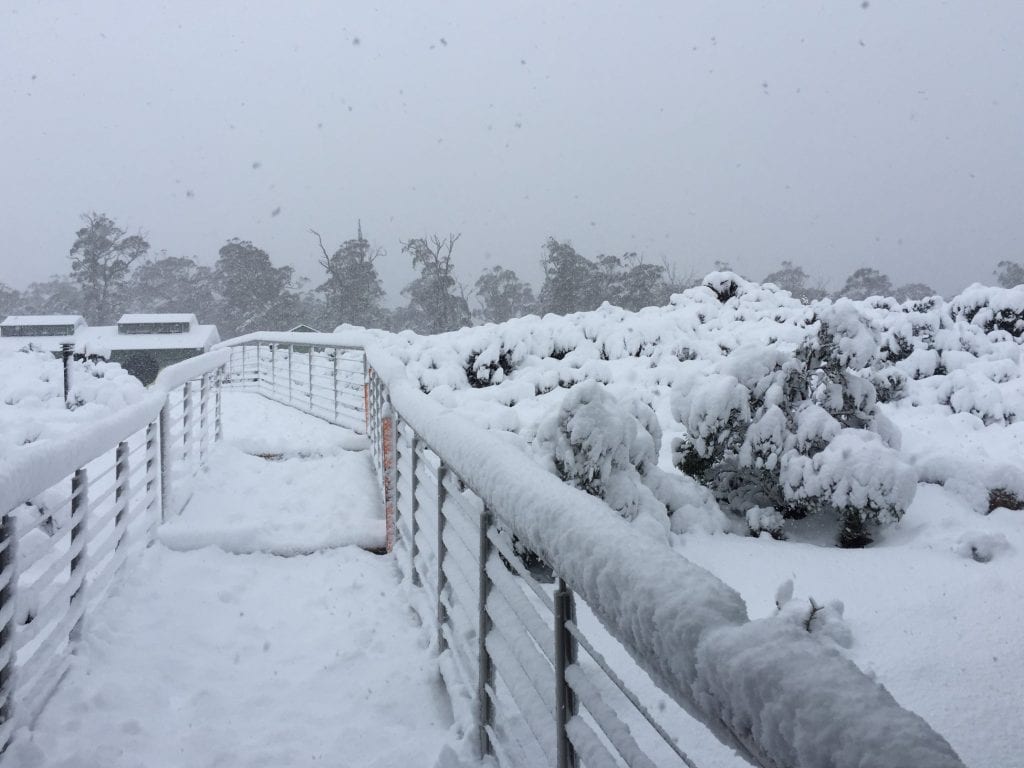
{"type": "Point", "coordinates": [836, 135]}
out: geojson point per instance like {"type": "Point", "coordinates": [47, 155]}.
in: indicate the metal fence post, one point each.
{"type": "Point", "coordinates": [485, 683]}
{"type": "Point", "coordinates": [309, 357]}
{"type": "Point", "coordinates": [242, 374]}
{"type": "Point", "coordinates": [186, 422]}
{"type": "Point", "coordinates": [165, 460]}
{"type": "Point", "coordinates": [414, 506]}
{"type": "Point", "coordinates": [152, 459]}
{"type": "Point", "coordinates": [334, 357]}
{"type": "Point", "coordinates": [218, 385]}
{"type": "Point", "coordinates": [291, 353]}
{"type": "Point", "coordinates": [8, 558]}
{"type": "Point", "coordinates": [121, 473]}
{"type": "Point", "coordinates": [565, 655]}
{"type": "Point", "coordinates": [79, 508]}
{"type": "Point", "coordinates": [273, 368]}
{"type": "Point", "coordinates": [388, 459]}
{"type": "Point", "coordinates": [442, 551]}
{"type": "Point", "coordinates": [67, 353]}
{"type": "Point", "coordinates": [204, 423]}
{"type": "Point", "coordinates": [259, 354]}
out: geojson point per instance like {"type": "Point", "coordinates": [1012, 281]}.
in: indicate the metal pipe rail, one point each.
{"type": "Point", "coordinates": [75, 509]}
{"type": "Point", "coordinates": [555, 660]}
{"type": "Point", "coordinates": [510, 643]}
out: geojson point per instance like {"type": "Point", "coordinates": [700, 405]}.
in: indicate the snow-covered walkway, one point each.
{"type": "Point", "coordinates": [214, 649]}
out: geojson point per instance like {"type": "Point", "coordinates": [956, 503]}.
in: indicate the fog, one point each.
{"type": "Point", "coordinates": [836, 135]}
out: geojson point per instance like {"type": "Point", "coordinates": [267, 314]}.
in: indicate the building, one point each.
{"type": "Point", "coordinates": [142, 344]}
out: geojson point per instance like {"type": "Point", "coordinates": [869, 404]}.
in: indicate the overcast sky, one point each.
{"type": "Point", "coordinates": [836, 134]}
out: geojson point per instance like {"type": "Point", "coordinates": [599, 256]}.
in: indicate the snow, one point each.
{"type": "Point", "coordinates": [676, 618]}
{"type": "Point", "coordinates": [101, 340]}
{"type": "Point", "coordinates": [206, 659]}
{"type": "Point", "coordinates": [134, 319]}
{"type": "Point", "coordinates": [73, 320]}
{"type": "Point", "coordinates": [317, 487]}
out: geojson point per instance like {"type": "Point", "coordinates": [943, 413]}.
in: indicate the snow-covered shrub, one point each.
{"type": "Point", "coordinates": [981, 547]}
{"type": "Point", "coordinates": [609, 448]}
{"type": "Point", "coordinates": [797, 431]}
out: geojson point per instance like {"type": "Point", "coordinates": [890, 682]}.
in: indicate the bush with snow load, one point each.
{"type": "Point", "coordinates": [797, 431]}
{"type": "Point", "coordinates": [775, 406]}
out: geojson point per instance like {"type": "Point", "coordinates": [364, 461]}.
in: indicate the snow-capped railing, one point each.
{"type": "Point", "coordinates": [73, 509]}
{"type": "Point", "coordinates": [461, 504]}
{"type": "Point", "coordinates": [318, 373]}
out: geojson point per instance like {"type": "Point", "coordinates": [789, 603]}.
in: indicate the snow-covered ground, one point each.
{"type": "Point", "coordinates": [32, 404]}
{"type": "Point", "coordinates": [312, 486]}
{"type": "Point", "coordinates": [211, 658]}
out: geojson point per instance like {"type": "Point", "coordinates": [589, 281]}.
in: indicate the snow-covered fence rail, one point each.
{"type": "Point", "coordinates": [74, 509]}
{"type": "Point", "coordinates": [464, 504]}
{"type": "Point", "coordinates": [317, 373]}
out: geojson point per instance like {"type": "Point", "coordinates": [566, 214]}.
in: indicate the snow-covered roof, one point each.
{"type": "Point", "coordinates": [181, 317]}
{"type": "Point", "coordinates": [104, 339]}
{"type": "Point", "coordinates": [24, 320]}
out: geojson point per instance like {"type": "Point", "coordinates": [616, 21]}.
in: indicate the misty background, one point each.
{"type": "Point", "coordinates": [833, 135]}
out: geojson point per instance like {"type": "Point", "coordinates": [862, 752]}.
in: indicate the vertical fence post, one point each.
{"type": "Point", "coordinates": [273, 369]}
{"type": "Point", "coordinates": [243, 374]}
{"type": "Point", "coordinates": [414, 505]}
{"type": "Point", "coordinates": [565, 654]}
{"type": "Point", "coordinates": [367, 375]}
{"type": "Point", "coordinates": [67, 352]}
{"type": "Point", "coordinates": [152, 462]}
{"type": "Point", "coordinates": [186, 422]}
{"type": "Point", "coordinates": [8, 559]}
{"type": "Point", "coordinates": [218, 384]}
{"type": "Point", "coordinates": [258, 379]}
{"type": "Point", "coordinates": [204, 422]}
{"type": "Point", "coordinates": [485, 683]}
{"type": "Point", "coordinates": [121, 472]}
{"type": "Point", "coordinates": [79, 509]}
{"type": "Point", "coordinates": [309, 356]}
{"type": "Point", "coordinates": [334, 358]}
{"type": "Point", "coordinates": [388, 457]}
{"type": "Point", "coordinates": [442, 551]}
{"type": "Point", "coordinates": [166, 460]}
{"type": "Point", "coordinates": [291, 353]}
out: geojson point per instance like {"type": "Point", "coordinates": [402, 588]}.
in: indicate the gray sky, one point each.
{"type": "Point", "coordinates": [824, 132]}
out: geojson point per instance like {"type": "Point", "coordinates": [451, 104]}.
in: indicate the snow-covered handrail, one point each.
{"type": "Point", "coordinates": [780, 697]}
{"type": "Point", "coordinates": [77, 505]}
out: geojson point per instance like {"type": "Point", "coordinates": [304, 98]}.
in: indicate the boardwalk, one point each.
{"type": "Point", "coordinates": [252, 641]}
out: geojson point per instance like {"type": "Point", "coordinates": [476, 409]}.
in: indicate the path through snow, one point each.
{"type": "Point", "coordinates": [207, 658]}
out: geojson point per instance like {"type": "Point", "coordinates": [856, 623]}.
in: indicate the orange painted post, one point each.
{"type": "Point", "coordinates": [388, 457]}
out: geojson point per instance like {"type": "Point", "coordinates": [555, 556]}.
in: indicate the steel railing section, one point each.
{"type": "Point", "coordinates": [532, 652]}
{"type": "Point", "coordinates": [315, 375]}
{"type": "Point", "coordinates": [510, 645]}
{"type": "Point", "coordinates": [75, 509]}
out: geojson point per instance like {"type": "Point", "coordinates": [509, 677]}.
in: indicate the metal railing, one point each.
{"type": "Point", "coordinates": [537, 687]}
{"type": "Point", "coordinates": [319, 377]}
{"type": "Point", "coordinates": [75, 509]}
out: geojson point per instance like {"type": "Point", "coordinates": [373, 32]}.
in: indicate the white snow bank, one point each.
{"type": "Point", "coordinates": [780, 694]}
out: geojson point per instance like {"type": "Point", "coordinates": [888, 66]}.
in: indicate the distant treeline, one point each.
{"type": "Point", "coordinates": [112, 271]}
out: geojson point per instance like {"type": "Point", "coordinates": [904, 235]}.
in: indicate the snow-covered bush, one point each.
{"type": "Point", "coordinates": [609, 448]}
{"type": "Point", "coordinates": [796, 431]}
